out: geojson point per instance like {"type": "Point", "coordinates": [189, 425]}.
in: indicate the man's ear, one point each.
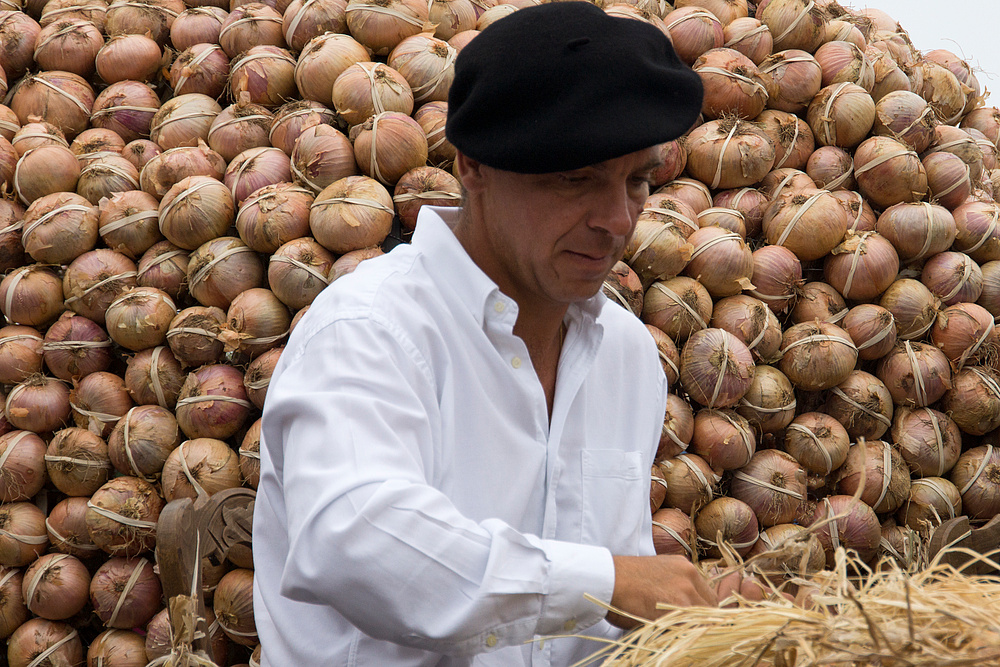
{"type": "Point", "coordinates": [470, 172]}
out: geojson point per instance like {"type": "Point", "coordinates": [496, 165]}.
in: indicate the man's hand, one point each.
{"type": "Point", "coordinates": [641, 582]}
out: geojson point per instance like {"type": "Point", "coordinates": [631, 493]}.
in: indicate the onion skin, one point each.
{"type": "Point", "coordinates": [889, 173]}
{"type": "Point", "coordinates": [722, 164]}
{"type": "Point", "coordinates": [930, 442]}
{"type": "Point", "coordinates": [818, 301]}
{"type": "Point", "coordinates": [953, 277]}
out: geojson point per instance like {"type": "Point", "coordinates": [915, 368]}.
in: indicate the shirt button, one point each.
{"type": "Point", "coordinates": [499, 306]}
{"type": "Point", "coordinates": [516, 362]}
{"type": "Point", "coordinates": [491, 640]}
{"type": "Point", "coordinates": [569, 625]}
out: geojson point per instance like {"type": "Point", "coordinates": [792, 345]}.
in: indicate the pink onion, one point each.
{"type": "Point", "coordinates": [772, 484]}
{"type": "Point", "coordinates": [166, 169]}
{"type": "Point", "coordinates": [297, 271]}
{"type": "Point", "coordinates": [194, 335]}
{"type": "Point", "coordinates": [142, 440]}
{"type": "Point", "coordinates": [20, 353]}
{"type": "Point", "coordinates": [77, 461]}
{"type": "Point", "coordinates": [862, 267]}
{"type": "Point", "coordinates": [183, 120]}
{"type": "Point", "coordinates": [257, 321]}
{"type": "Point", "coordinates": [973, 400]}
{"type": "Point", "coordinates": [195, 211]}
{"type": "Point", "coordinates": [691, 482]}
{"type": "Point", "coordinates": [796, 79]}
{"type": "Point", "coordinates": [817, 355]}
{"type": "Point", "coordinates": [240, 127]}
{"type": "Point", "coordinates": [56, 586]}
{"type": "Point", "coordinates": [678, 307]}
{"type": "Point", "coordinates": [22, 466]}
{"type": "Point", "coordinates": [817, 441]}
{"type": "Point", "coordinates": [24, 538]}
{"type": "Point", "coordinates": [964, 332]}
{"type": "Point", "coordinates": [154, 377]}
{"type": "Point", "coordinates": [121, 516]}
{"type": "Point", "coordinates": [67, 528]}
{"type": "Point", "coordinates": [977, 477]}
{"type": "Point", "coordinates": [953, 277]}
{"type": "Point", "coordinates": [164, 267]}
{"type": "Point", "coordinates": [292, 118]}
{"type": "Point", "coordinates": [863, 404]}
{"type": "Point", "coordinates": [717, 369]}
{"type": "Point", "coordinates": [726, 520]}
{"type": "Point", "coordinates": [58, 641]}
{"type": "Point", "coordinates": [234, 606]}
{"type": "Point", "coordinates": [265, 74]}
{"type": "Point", "coordinates": [200, 467]}
{"type": "Point", "coordinates": [125, 592]}
{"type": "Point", "coordinates": [722, 438]}
{"type": "Point", "coordinates": [222, 268]}
{"type": "Point", "coordinates": [212, 403]}
{"type": "Point", "coordinates": [912, 305]}
{"type": "Point", "coordinates": [845, 522]}
{"type": "Point", "coordinates": [872, 328]}
{"type": "Point", "coordinates": [677, 430]}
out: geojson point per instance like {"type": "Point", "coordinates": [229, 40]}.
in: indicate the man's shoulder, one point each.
{"type": "Point", "coordinates": [391, 287]}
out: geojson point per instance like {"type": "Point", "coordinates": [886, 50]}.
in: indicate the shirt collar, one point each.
{"type": "Point", "coordinates": [434, 235]}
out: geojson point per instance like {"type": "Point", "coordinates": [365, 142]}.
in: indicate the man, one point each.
{"type": "Point", "coordinates": [457, 440]}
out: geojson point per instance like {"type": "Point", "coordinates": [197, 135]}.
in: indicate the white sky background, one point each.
{"type": "Point", "coordinates": [968, 28]}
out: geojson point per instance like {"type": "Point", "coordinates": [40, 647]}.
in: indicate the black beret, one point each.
{"type": "Point", "coordinates": [560, 86]}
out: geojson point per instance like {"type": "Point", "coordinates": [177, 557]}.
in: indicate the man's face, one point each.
{"type": "Point", "coordinates": [551, 239]}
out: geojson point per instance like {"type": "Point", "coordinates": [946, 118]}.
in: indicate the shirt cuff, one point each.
{"type": "Point", "coordinates": [575, 569]}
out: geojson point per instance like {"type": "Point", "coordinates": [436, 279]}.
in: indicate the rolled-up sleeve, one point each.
{"type": "Point", "coordinates": [355, 415]}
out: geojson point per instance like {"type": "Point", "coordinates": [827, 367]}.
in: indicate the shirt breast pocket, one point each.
{"type": "Point", "coordinates": [615, 493]}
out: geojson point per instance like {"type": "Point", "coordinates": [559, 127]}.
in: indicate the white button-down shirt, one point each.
{"type": "Point", "coordinates": [416, 506]}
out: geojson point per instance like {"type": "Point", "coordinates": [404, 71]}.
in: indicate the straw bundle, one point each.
{"type": "Point", "coordinates": [936, 616]}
